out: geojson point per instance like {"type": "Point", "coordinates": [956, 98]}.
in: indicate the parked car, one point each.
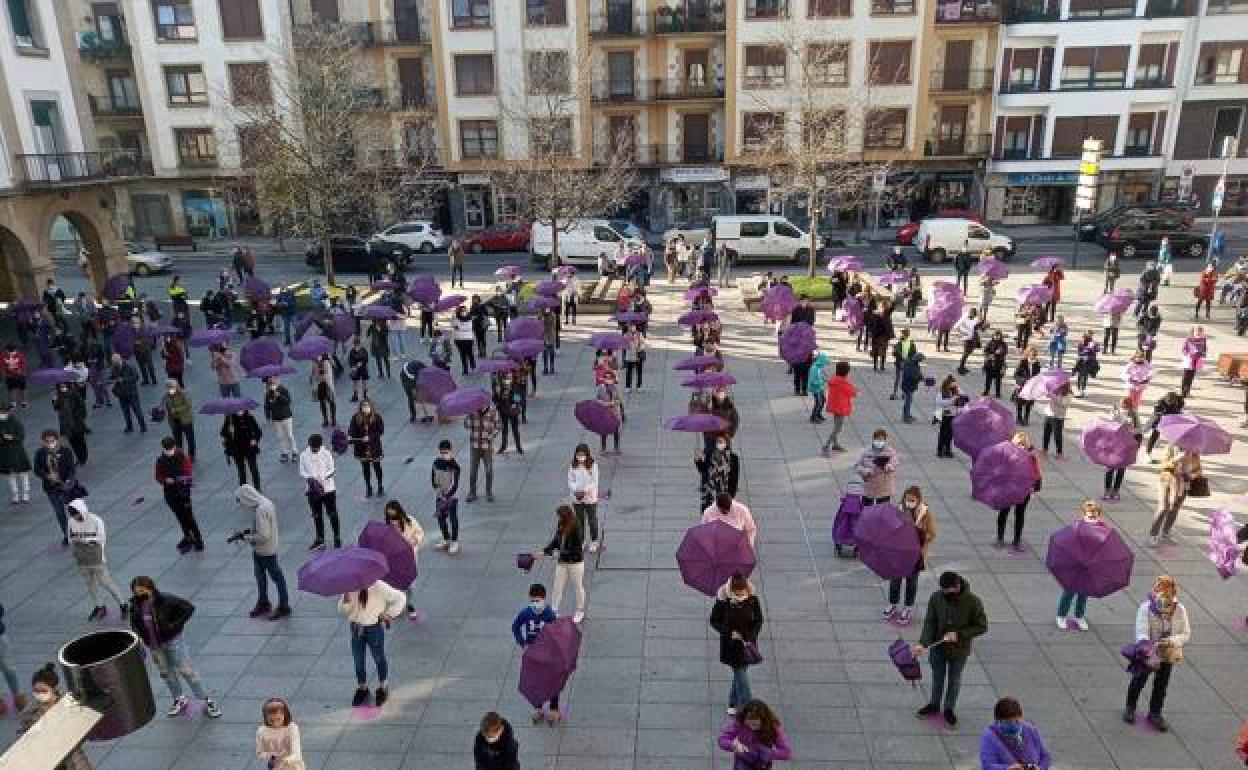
{"type": "Point", "coordinates": [509, 237]}
{"type": "Point", "coordinates": [762, 236]}
{"type": "Point", "coordinates": [905, 234]}
{"type": "Point", "coordinates": [1089, 229]}
{"type": "Point", "coordinates": [580, 241]}
{"type": "Point", "coordinates": [415, 235]}
{"type": "Point", "coordinates": [139, 259]}
{"type": "Point", "coordinates": [1137, 233]}
{"type": "Point", "coordinates": [939, 239]}
{"type": "Point", "coordinates": [695, 231]}
{"type": "Point", "coordinates": [351, 255]}
{"type": "Point", "coordinates": [630, 230]}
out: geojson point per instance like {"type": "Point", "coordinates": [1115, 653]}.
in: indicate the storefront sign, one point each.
{"type": "Point", "coordinates": [475, 179]}
{"type": "Point", "coordinates": [754, 182]}
{"type": "Point", "coordinates": [1042, 178]}
{"type": "Point", "coordinates": [686, 175]}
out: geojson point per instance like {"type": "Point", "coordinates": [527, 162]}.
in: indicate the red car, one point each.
{"type": "Point", "coordinates": [511, 237]}
{"type": "Point", "coordinates": [905, 234]}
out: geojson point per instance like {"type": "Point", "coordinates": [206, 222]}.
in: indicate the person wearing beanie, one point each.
{"type": "Point", "coordinates": [263, 538]}
{"type": "Point", "coordinates": [173, 474]}
{"type": "Point", "coordinates": [87, 537]}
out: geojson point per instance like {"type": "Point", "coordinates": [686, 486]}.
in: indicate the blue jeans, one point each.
{"type": "Point", "coordinates": [267, 567]}
{"type": "Point", "coordinates": [548, 359]}
{"type": "Point", "coordinates": [374, 638]}
{"type": "Point", "coordinates": [1063, 604]}
{"type": "Point", "coordinates": [945, 667]}
{"type": "Point", "coordinates": [6, 666]}
{"type": "Point", "coordinates": [172, 660]}
{"type": "Point", "coordinates": [396, 339]}
{"type": "Point", "coordinates": [230, 391]}
{"type": "Point", "coordinates": [739, 690]}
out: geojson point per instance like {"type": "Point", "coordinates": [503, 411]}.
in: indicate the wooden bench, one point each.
{"type": "Point", "coordinates": [167, 241]}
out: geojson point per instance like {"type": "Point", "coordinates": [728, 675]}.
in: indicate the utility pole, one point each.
{"type": "Point", "coordinates": [1085, 193]}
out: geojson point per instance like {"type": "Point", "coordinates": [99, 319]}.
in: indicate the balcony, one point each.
{"type": "Point", "coordinates": [1108, 9]}
{"type": "Point", "coordinates": [892, 7]}
{"type": "Point", "coordinates": [972, 81]}
{"type": "Point", "coordinates": [397, 33]}
{"type": "Point", "coordinates": [967, 12]}
{"type": "Point", "coordinates": [370, 99]}
{"type": "Point", "coordinates": [685, 88]}
{"type": "Point", "coordinates": [69, 168]}
{"type": "Point", "coordinates": [94, 49]}
{"type": "Point", "coordinates": [1024, 12]}
{"type": "Point", "coordinates": [1023, 87]}
{"type": "Point", "coordinates": [968, 146]}
{"type": "Point", "coordinates": [413, 98]}
{"type": "Point", "coordinates": [109, 107]}
{"type": "Point", "coordinates": [662, 154]}
{"type": "Point", "coordinates": [623, 91]}
{"type": "Point", "coordinates": [680, 21]}
{"type": "Point", "coordinates": [1219, 79]}
{"type": "Point", "coordinates": [616, 25]}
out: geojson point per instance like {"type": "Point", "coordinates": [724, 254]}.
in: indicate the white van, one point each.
{"type": "Point", "coordinates": [761, 236]}
{"type": "Point", "coordinates": [580, 241]}
{"type": "Point", "coordinates": [939, 239]}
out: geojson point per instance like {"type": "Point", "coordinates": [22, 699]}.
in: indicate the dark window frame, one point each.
{"type": "Point", "coordinates": [191, 98]}
{"type": "Point", "coordinates": [473, 19]}
{"type": "Point", "coordinates": [482, 127]}
{"type": "Point", "coordinates": [872, 136]}
{"type": "Point", "coordinates": [244, 14]}
{"type": "Point", "coordinates": [199, 159]}
{"type": "Point", "coordinates": [179, 27]}
{"type": "Point", "coordinates": [899, 78]}
{"type": "Point", "coordinates": [460, 75]}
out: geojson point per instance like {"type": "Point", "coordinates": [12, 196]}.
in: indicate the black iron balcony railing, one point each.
{"type": "Point", "coordinates": [1019, 153]}
{"type": "Point", "coordinates": [413, 98]}
{"type": "Point", "coordinates": [969, 81]}
{"type": "Point", "coordinates": [659, 154]}
{"type": "Point", "coordinates": [406, 32]}
{"type": "Point", "coordinates": [968, 12]}
{"type": "Point", "coordinates": [611, 25]}
{"type": "Point", "coordinates": [689, 88]}
{"type": "Point", "coordinates": [682, 21]}
{"type": "Point", "coordinates": [1031, 10]}
{"type": "Point", "coordinates": [966, 146]}
{"type": "Point", "coordinates": [1160, 81]}
{"type": "Point", "coordinates": [1108, 9]}
{"type": "Point", "coordinates": [892, 7]}
{"type": "Point", "coordinates": [623, 91]}
{"type": "Point", "coordinates": [61, 168]}
{"type": "Point", "coordinates": [94, 49]}
{"type": "Point", "coordinates": [111, 107]}
{"type": "Point", "coordinates": [1162, 9]}
{"type": "Point", "coordinates": [1023, 87]}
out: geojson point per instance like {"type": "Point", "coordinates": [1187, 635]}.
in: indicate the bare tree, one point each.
{"type": "Point", "coordinates": [552, 181]}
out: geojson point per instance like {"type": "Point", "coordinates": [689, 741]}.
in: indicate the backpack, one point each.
{"type": "Point", "coordinates": [903, 658]}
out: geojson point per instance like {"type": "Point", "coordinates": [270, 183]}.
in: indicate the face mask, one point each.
{"type": "Point", "coordinates": [44, 697]}
{"type": "Point", "coordinates": [444, 455]}
{"type": "Point", "coordinates": [720, 445]}
{"type": "Point", "coordinates": [878, 444]}
{"type": "Point", "coordinates": [51, 445]}
{"type": "Point", "coordinates": [1010, 728]}
{"type": "Point", "coordinates": [581, 458]}
{"type": "Point", "coordinates": [493, 738]}
{"type": "Point", "coordinates": [366, 409]}
{"type": "Point", "coordinates": [911, 504]}
{"type": "Point", "coordinates": [538, 605]}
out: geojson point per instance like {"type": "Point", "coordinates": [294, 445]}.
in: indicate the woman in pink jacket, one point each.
{"type": "Point", "coordinates": [755, 737]}
{"type": "Point", "coordinates": [732, 513]}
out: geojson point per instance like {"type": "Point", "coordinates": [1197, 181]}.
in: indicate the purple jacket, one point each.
{"type": "Point", "coordinates": [995, 755]}
{"type": "Point", "coordinates": [759, 757]}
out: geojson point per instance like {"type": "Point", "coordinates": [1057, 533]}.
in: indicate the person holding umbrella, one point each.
{"type": "Point", "coordinates": [925, 525]}
{"type": "Point", "coordinates": [1195, 349]}
{"type": "Point", "coordinates": [1010, 743]}
{"type": "Point", "coordinates": [1055, 418]}
{"type": "Point", "coordinates": [755, 737]}
{"type": "Point", "coordinates": [1162, 620]}
{"type": "Point", "coordinates": [369, 612]}
{"type": "Point", "coordinates": [240, 438]}
{"type": "Point", "coordinates": [158, 619]}
{"type": "Point", "coordinates": [719, 470]}
{"type": "Point", "coordinates": [1028, 367]}
{"type": "Point", "coordinates": [264, 542]}
{"type": "Point", "coordinates": [1123, 413]}
{"type": "Point", "coordinates": [413, 534]}
{"type": "Point", "coordinates": [877, 467]}
{"type": "Point", "coordinates": [1171, 403]}
{"type": "Point", "coordinates": [1086, 363]}
{"type": "Point", "coordinates": [609, 393]}
{"type": "Point", "coordinates": [225, 364]}
{"type": "Point", "coordinates": [1179, 468]}
{"type": "Point", "coordinates": [1020, 509]}
{"type": "Point", "coordinates": [733, 513]}
{"type": "Point", "coordinates": [14, 462]}
{"type": "Point", "coordinates": [737, 617]}
{"type": "Point", "coordinates": [365, 432]}
{"type": "Point", "coordinates": [954, 617]}
{"type": "Point", "coordinates": [1090, 514]}
{"type": "Point", "coordinates": [526, 627]}
{"type": "Point", "coordinates": [583, 487]}
{"type": "Point", "coordinates": [951, 402]}
{"type": "Point", "coordinates": [568, 541]}
{"type": "Point", "coordinates": [995, 351]}
{"type": "Point", "coordinates": [316, 466]}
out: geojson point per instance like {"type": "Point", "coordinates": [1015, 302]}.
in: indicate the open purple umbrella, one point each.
{"type": "Point", "coordinates": [1002, 475]}
{"type": "Point", "coordinates": [462, 401]}
{"type": "Point", "coordinates": [696, 363]}
{"type": "Point", "coordinates": [525, 328]}
{"type": "Point", "coordinates": [400, 559]}
{"type": "Point", "coordinates": [1044, 263]}
{"type": "Point", "coordinates": [449, 302]}
{"type": "Point", "coordinates": [1089, 559]}
{"type": "Point", "coordinates": [797, 342]}
{"type": "Point", "coordinates": [549, 288]}
{"type": "Point", "coordinates": [698, 292]}
{"type": "Point", "coordinates": [892, 278]}
{"type": "Point", "coordinates": [1033, 294]}
{"type": "Point", "coordinates": [1195, 434]}
{"type": "Point", "coordinates": [495, 365]}
{"type": "Point", "coordinates": [521, 349]}
{"type": "Point", "coordinates": [1109, 443]}
{"type": "Point", "coordinates": [270, 370]}
{"type": "Point", "coordinates": [256, 288]}
{"type": "Point", "coordinates": [1114, 303]}
{"type": "Point", "coordinates": [845, 264]}
{"type": "Point", "coordinates": [563, 272]}
{"type": "Point", "coordinates": [635, 259]}
{"type": "Point", "coordinates": [202, 338]}
{"type": "Point", "coordinates": [709, 380]}
{"type": "Point", "coordinates": [994, 269]}
{"type": "Point", "coordinates": [630, 317]}
{"type": "Point", "coordinates": [432, 384]}
{"type": "Point", "coordinates": [116, 285]}
{"type": "Point", "coordinates": [123, 340]}
{"type": "Point", "coordinates": [1044, 384]}
{"type": "Point", "coordinates": [424, 292]}
{"type": "Point", "coordinates": [778, 302]}
{"type": "Point", "coordinates": [887, 541]}
{"type": "Point", "coordinates": [697, 422]}
{"type": "Point", "coordinates": [853, 313]}
{"type": "Point", "coordinates": [945, 287]}
{"type": "Point", "coordinates": [695, 317]}
{"type": "Point", "coordinates": [596, 417]}
{"type": "Point", "coordinates": [379, 312]}
{"type": "Point", "coordinates": [944, 309]}
{"type": "Point", "coordinates": [547, 664]}
{"type": "Point", "coordinates": [538, 304]}
{"type": "Point", "coordinates": [306, 322]}
{"type": "Point", "coordinates": [261, 352]}
{"type": "Point", "coordinates": [608, 341]}
{"type": "Point", "coordinates": [228, 405]}
{"type": "Point", "coordinates": [342, 570]}
{"type": "Point", "coordinates": [51, 377]}
{"type": "Point", "coordinates": [984, 422]}
{"type": "Point", "coordinates": [711, 553]}
{"type": "Point", "coordinates": [312, 347]}
{"type": "Point", "coordinates": [342, 326]}
{"type": "Point", "coordinates": [1224, 543]}
{"type": "Point", "coordinates": [508, 272]}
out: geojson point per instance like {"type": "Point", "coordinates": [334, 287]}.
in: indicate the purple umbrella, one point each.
{"type": "Point", "coordinates": [695, 317]}
{"type": "Point", "coordinates": [1114, 303]}
{"type": "Point", "coordinates": [270, 370]}
{"type": "Point", "coordinates": [893, 278]}
{"type": "Point", "coordinates": [994, 269]}
{"type": "Point", "coordinates": [261, 352]}
{"type": "Point", "coordinates": [521, 349]}
{"type": "Point", "coordinates": [256, 289]}
{"type": "Point", "coordinates": [1033, 294]}
{"type": "Point", "coordinates": [400, 559]}
{"type": "Point", "coordinates": [538, 304]}
{"type": "Point", "coordinates": [52, 376]}
{"type": "Point", "coordinates": [698, 292]}
{"type": "Point", "coordinates": [549, 661]}
{"type": "Point", "coordinates": [312, 347]}
{"type": "Point", "coordinates": [123, 340]}
{"type": "Point", "coordinates": [342, 326]}
{"type": "Point", "coordinates": [608, 341]}
{"type": "Point", "coordinates": [381, 313]}
{"type": "Point", "coordinates": [449, 302]}
{"type": "Point", "coordinates": [1002, 475]}
{"type": "Point", "coordinates": [305, 322]}
{"type": "Point", "coordinates": [384, 286]}
{"type": "Point", "coordinates": [887, 541]}
{"type": "Point", "coordinates": [696, 363]}
{"type": "Point", "coordinates": [630, 316]}
{"type": "Point", "coordinates": [509, 272]}
{"type": "Point", "coordinates": [984, 422]}
{"type": "Point", "coordinates": [711, 553]}
{"type": "Point", "coordinates": [1089, 559]}
{"type": "Point", "coordinates": [853, 313]}
{"type": "Point", "coordinates": [342, 570]}
{"type": "Point", "coordinates": [709, 380]}
{"type": "Point", "coordinates": [697, 422]}
{"type": "Point", "coordinates": [596, 417]}
{"type": "Point", "coordinates": [462, 401]}
{"type": "Point", "coordinates": [778, 302]}
{"type": "Point", "coordinates": [1044, 263]}
{"type": "Point", "coordinates": [1195, 434]}
{"type": "Point", "coordinates": [116, 285]}
{"type": "Point", "coordinates": [432, 384]}
{"type": "Point", "coordinates": [1044, 384]}
{"type": "Point", "coordinates": [549, 288]}
{"type": "Point", "coordinates": [228, 405]}
{"type": "Point", "coordinates": [1224, 543]}
{"type": "Point", "coordinates": [563, 272]}
{"type": "Point", "coordinates": [424, 292]}
{"type": "Point", "coordinates": [945, 309]}
{"type": "Point", "coordinates": [202, 338]}
{"type": "Point", "coordinates": [495, 365]}
{"type": "Point", "coordinates": [1109, 443]}
{"type": "Point", "coordinates": [797, 342]}
{"type": "Point", "coordinates": [845, 264]}
{"type": "Point", "coordinates": [635, 259]}
{"type": "Point", "coordinates": [526, 328]}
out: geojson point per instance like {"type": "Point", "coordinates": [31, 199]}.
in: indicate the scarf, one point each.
{"type": "Point", "coordinates": [719, 468]}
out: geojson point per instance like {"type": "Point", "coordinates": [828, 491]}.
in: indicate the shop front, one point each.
{"type": "Point", "coordinates": [690, 193]}
{"type": "Point", "coordinates": [471, 203]}
{"type": "Point", "coordinates": [1031, 197]}
{"type": "Point", "coordinates": [206, 213]}
{"type": "Point", "coordinates": [940, 190]}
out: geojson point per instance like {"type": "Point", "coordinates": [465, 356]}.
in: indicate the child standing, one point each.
{"type": "Point", "coordinates": [1057, 343]}
{"type": "Point", "coordinates": [277, 739]}
{"type": "Point", "coordinates": [528, 624]}
{"type": "Point", "coordinates": [444, 476]}
{"type": "Point", "coordinates": [840, 403]}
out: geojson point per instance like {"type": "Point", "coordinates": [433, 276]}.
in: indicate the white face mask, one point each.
{"type": "Point", "coordinates": [911, 504]}
{"type": "Point", "coordinates": [538, 605]}
{"type": "Point", "coordinates": [721, 446]}
{"type": "Point", "coordinates": [581, 459]}
{"type": "Point", "coordinates": [44, 697]}
{"type": "Point", "coordinates": [878, 444]}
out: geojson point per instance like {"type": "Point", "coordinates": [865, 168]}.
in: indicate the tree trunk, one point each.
{"type": "Point", "coordinates": [814, 241]}
{"type": "Point", "coordinates": [328, 252]}
{"type": "Point", "coordinates": [554, 244]}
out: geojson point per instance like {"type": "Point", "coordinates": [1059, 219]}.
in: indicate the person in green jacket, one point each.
{"type": "Point", "coordinates": [955, 616]}
{"type": "Point", "coordinates": [177, 405]}
{"type": "Point", "coordinates": [817, 385]}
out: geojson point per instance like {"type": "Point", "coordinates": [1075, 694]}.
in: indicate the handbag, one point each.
{"type": "Point", "coordinates": [752, 655]}
{"type": "Point", "coordinates": [73, 490]}
{"type": "Point", "coordinates": [1170, 653]}
{"type": "Point", "coordinates": [1198, 487]}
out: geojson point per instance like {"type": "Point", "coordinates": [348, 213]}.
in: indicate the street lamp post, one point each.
{"type": "Point", "coordinates": [1229, 144]}
{"type": "Point", "coordinates": [1085, 193]}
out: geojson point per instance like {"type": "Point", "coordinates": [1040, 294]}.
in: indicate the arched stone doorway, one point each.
{"type": "Point", "coordinates": [89, 214]}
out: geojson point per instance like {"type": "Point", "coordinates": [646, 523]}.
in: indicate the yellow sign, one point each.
{"type": "Point", "coordinates": [1089, 169]}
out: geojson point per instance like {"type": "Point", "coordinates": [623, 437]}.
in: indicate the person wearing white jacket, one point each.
{"type": "Point", "coordinates": [316, 466]}
{"type": "Point", "coordinates": [88, 538]}
{"type": "Point", "coordinates": [369, 610]}
{"type": "Point", "coordinates": [1162, 620]}
{"type": "Point", "coordinates": [583, 487]}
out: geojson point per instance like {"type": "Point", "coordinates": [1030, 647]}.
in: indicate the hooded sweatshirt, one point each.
{"type": "Point", "coordinates": [89, 530]}
{"type": "Point", "coordinates": [503, 754]}
{"type": "Point", "coordinates": [263, 537]}
{"type": "Point", "coordinates": [817, 379]}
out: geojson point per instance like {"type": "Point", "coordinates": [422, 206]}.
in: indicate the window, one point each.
{"type": "Point", "coordinates": [1092, 68]}
{"type": "Point", "coordinates": [764, 66]}
{"type": "Point", "coordinates": [766, 9]}
{"type": "Point", "coordinates": [1139, 134]}
{"type": "Point", "coordinates": [197, 147]}
{"type": "Point", "coordinates": [760, 129]}
{"type": "Point", "coordinates": [175, 19]}
{"type": "Point", "coordinates": [110, 27]}
{"type": "Point", "coordinates": [186, 86]}
{"type": "Point", "coordinates": [478, 139]}
{"type": "Point", "coordinates": [467, 14]}
{"type": "Point", "coordinates": [326, 10]}
{"type": "Point", "coordinates": [620, 77]}
{"type": "Point", "coordinates": [548, 72]}
{"type": "Point", "coordinates": [1069, 133]}
{"type": "Point", "coordinates": [787, 230]}
{"type": "Point", "coordinates": [828, 63]}
{"type": "Point", "coordinates": [49, 133]}
{"type": "Point", "coordinates": [249, 83]}
{"type": "Point", "coordinates": [546, 13]}
{"type": "Point", "coordinates": [1084, 9]}
{"type": "Point", "coordinates": [1023, 67]}
{"type": "Point", "coordinates": [823, 131]}
{"type": "Point", "coordinates": [885, 128]}
{"type": "Point", "coordinates": [24, 20]}
{"type": "Point", "coordinates": [550, 137]}
{"type": "Point", "coordinates": [240, 20]}
{"type": "Point", "coordinates": [890, 62]}
{"type": "Point", "coordinates": [419, 142]}
{"type": "Point", "coordinates": [605, 234]}
{"type": "Point", "coordinates": [1150, 68]}
{"type": "Point", "coordinates": [1225, 123]}
{"type": "Point", "coordinates": [1227, 66]}
{"type": "Point", "coordinates": [1014, 143]}
{"type": "Point", "coordinates": [250, 144]}
{"type": "Point", "coordinates": [829, 9]}
{"type": "Point", "coordinates": [474, 74]}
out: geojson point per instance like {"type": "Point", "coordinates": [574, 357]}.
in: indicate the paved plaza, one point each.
{"type": "Point", "coordinates": [649, 691]}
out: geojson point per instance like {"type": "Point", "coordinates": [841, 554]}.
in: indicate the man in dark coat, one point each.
{"type": "Point", "coordinates": [126, 388]}
{"type": "Point", "coordinates": [955, 616]}
{"type": "Point", "coordinates": [55, 467]}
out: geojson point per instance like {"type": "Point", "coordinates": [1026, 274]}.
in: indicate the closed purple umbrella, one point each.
{"type": "Point", "coordinates": [984, 422]}
{"type": "Point", "coordinates": [549, 288]}
{"type": "Point", "coordinates": [887, 540]}
{"type": "Point", "coordinates": [1195, 434]}
{"type": "Point", "coordinates": [521, 349]}
{"type": "Point", "coordinates": [695, 317]}
{"type": "Point", "coordinates": [845, 264]}
{"type": "Point", "coordinates": [1044, 384]}
{"type": "Point", "coordinates": [1109, 443]}
{"type": "Point", "coordinates": [698, 292]}
{"type": "Point", "coordinates": [538, 304]}
{"type": "Point", "coordinates": [380, 313]}
{"type": "Point", "coordinates": [384, 286]}
{"type": "Point", "coordinates": [424, 292]}
{"type": "Point", "coordinates": [270, 370]}
{"type": "Point", "coordinates": [797, 342]}
{"type": "Point", "coordinates": [547, 664]}
{"type": "Point", "coordinates": [342, 326]}
{"type": "Point", "coordinates": [1224, 543]}
{"type": "Point", "coordinates": [1089, 558]}
{"type": "Point", "coordinates": [696, 363]}
{"type": "Point", "coordinates": [312, 347]}
{"type": "Point", "coordinates": [711, 553]}
{"type": "Point", "coordinates": [462, 401]}
{"type": "Point", "coordinates": [608, 341]}
{"type": "Point", "coordinates": [432, 384]}
{"type": "Point", "coordinates": [400, 558]}
{"type": "Point", "coordinates": [1044, 263]}
{"type": "Point", "coordinates": [778, 302]}
{"type": "Point", "coordinates": [228, 405]}
{"type": "Point", "coordinates": [202, 338]}
{"type": "Point", "coordinates": [1002, 475]}
{"type": "Point", "coordinates": [596, 417]}
{"type": "Point", "coordinates": [698, 422]}
{"type": "Point", "coordinates": [525, 328]}
{"type": "Point", "coordinates": [495, 365]}
{"type": "Point", "coordinates": [994, 269]}
{"type": "Point", "coordinates": [853, 313]}
{"type": "Point", "coordinates": [261, 352]}
{"type": "Point", "coordinates": [1114, 302]}
{"type": "Point", "coordinates": [116, 285]}
{"type": "Point", "coordinates": [1033, 294]}
{"type": "Point", "coordinates": [51, 377]}
{"type": "Point", "coordinates": [342, 570]}
{"type": "Point", "coordinates": [630, 316]}
{"type": "Point", "coordinates": [449, 302]}
{"type": "Point", "coordinates": [256, 289]}
{"type": "Point", "coordinates": [709, 380]}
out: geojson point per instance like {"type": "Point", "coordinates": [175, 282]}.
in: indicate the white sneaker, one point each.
{"type": "Point", "coordinates": [178, 706]}
{"type": "Point", "coordinates": [732, 711]}
{"type": "Point", "coordinates": [453, 548]}
{"type": "Point", "coordinates": [577, 617]}
{"type": "Point", "coordinates": [888, 611]}
{"type": "Point", "coordinates": [441, 545]}
{"type": "Point", "coordinates": [593, 548]}
{"type": "Point", "coordinates": [1081, 624]}
{"type": "Point", "coordinates": [1061, 623]}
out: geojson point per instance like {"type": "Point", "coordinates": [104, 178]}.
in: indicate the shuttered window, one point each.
{"type": "Point", "coordinates": [249, 83]}
{"type": "Point", "coordinates": [240, 20]}
{"type": "Point", "coordinates": [474, 74]}
{"type": "Point", "coordinates": [885, 128]}
{"type": "Point", "coordinates": [890, 62]}
{"type": "Point", "coordinates": [1150, 66]}
{"type": "Point", "coordinates": [1069, 133]}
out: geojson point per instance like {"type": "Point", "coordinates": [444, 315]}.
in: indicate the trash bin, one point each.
{"type": "Point", "coordinates": [104, 670]}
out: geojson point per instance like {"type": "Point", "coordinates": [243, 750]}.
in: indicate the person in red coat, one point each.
{"type": "Point", "coordinates": [175, 358]}
{"type": "Point", "coordinates": [840, 404]}
{"type": "Point", "coordinates": [1204, 290]}
{"type": "Point", "coordinates": [1053, 279]}
{"type": "Point", "coordinates": [173, 474]}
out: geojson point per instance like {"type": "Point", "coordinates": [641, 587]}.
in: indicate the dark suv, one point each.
{"type": "Point", "coordinates": [351, 255]}
{"type": "Point", "coordinates": [1090, 228]}
{"type": "Point", "coordinates": [1137, 232]}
